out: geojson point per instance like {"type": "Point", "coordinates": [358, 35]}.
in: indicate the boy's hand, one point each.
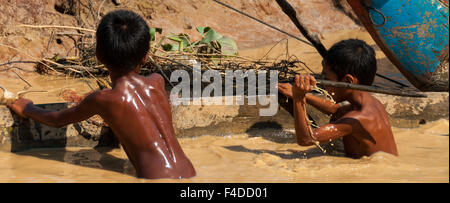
{"type": "Point", "coordinates": [286, 89]}
{"type": "Point", "coordinates": [19, 106]}
{"type": "Point", "coordinates": [302, 85]}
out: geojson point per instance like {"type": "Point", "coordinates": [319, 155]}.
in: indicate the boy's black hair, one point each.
{"type": "Point", "coordinates": [123, 39]}
{"type": "Point", "coordinates": [353, 57]}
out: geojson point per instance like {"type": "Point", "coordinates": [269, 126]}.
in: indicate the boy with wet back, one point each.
{"type": "Point", "coordinates": [136, 108]}
{"type": "Point", "coordinates": [363, 123]}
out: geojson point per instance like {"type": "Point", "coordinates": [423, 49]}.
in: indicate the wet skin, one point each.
{"type": "Point", "coordinates": [138, 112]}
{"type": "Point", "coordinates": [363, 124]}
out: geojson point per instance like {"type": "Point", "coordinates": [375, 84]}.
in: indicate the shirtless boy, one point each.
{"type": "Point", "coordinates": [136, 108]}
{"type": "Point", "coordinates": [363, 123]}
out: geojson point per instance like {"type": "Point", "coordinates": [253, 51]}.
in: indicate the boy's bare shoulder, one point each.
{"type": "Point", "coordinates": [100, 96]}
{"type": "Point", "coordinates": [156, 79]}
{"type": "Point", "coordinates": [370, 111]}
{"type": "Point", "coordinates": [374, 106]}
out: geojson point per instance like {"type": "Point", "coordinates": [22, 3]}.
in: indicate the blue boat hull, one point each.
{"type": "Point", "coordinates": [413, 34]}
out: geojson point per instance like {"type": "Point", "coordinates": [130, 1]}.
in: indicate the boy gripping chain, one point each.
{"type": "Point", "coordinates": [136, 108]}
{"type": "Point", "coordinates": [363, 123]}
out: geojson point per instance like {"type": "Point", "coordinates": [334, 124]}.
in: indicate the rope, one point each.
{"type": "Point", "coordinates": [262, 22]}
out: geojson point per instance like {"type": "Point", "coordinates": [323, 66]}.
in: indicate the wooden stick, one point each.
{"type": "Point", "coordinates": [366, 88]}
{"type": "Point", "coordinates": [57, 26]}
{"type": "Point", "coordinates": [37, 60]}
{"type": "Point", "coordinates": [292, 14]}
{"type": "Point", "coordinates": [18, 75]}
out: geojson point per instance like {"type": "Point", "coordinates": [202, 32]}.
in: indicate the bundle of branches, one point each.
{"type": "Point", "coordinates": [83, 62]}
{"type": "Point", "coordinates": [169, 53]}
{"type": "Point", "coordinates": [78, 66]}
{"type": "Point", "coordinates": [212, 52]}
{"type": "Point", "coordinates": [166, 65]}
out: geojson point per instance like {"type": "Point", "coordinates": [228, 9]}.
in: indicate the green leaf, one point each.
{"type": "Point", "coordinates": [208, 35]}
{"type": "Point", "coordinates": [228, 46]}
{"type": "Point", "coordinates": [211, 42]}
{"type": "Point", "coordinates": [55, 57]}
{"type": "Point", "coordinates": [201, 30]}
{"type": "Point", "coordinates": [153, 32]}
{"type": "Point", "coordinates": [183, 41]}
{"type": "Point", "coordinates": [171, 47]}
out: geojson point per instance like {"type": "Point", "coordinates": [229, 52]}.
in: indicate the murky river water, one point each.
{"type": "Point", "coordinates": [424, 151]}
{"type": "Point", "coordinates": [424, 157]}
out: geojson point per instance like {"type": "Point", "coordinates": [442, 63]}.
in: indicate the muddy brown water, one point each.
{"type": "Point", "coordinates": [257, 157]}
{"type": "Point", "coordinates": [424, 157]}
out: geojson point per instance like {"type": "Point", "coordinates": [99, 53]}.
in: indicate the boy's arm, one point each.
{"type": "Point", "coordinates": [327, 133]}
{"type": "Point", "coordinates": [304, 133]}
{"type": "Point", "coordinates": [84, 110]}
{"type": "Point", "coordinates": [323, 105]}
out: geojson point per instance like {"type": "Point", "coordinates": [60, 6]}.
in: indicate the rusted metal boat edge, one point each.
{"type": "Point", "coordinates": [436, 80]}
